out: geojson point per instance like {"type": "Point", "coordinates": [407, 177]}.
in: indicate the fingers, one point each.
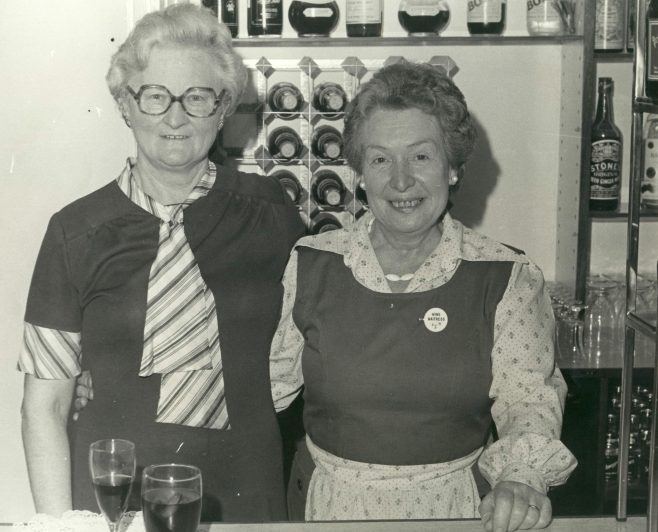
{"type": "Point", "coordinates": [486, 511]}
{"type": "Point", "coordinates": [512, 506]}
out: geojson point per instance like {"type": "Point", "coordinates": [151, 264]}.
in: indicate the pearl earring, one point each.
{"type": "Point", "coordinates": [362, 185]}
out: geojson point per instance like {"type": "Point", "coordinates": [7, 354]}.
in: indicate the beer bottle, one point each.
{"type": "Point", "coordinates": [651, 55]}
{"type": "Point", "coordinates": [285, 100]}
{"type": "Point", "coordinates": [605, 167]}
{"type": "Point", "coordinates": [486, 17]}
{"type": "Point", "coordinates": [610, 22]}
{"type": "Point", "coordinates": [328, 190]}
{"type": "Point", "coordinates": [327, 144]}
{"type": "Point", "coordinates": [284, 144]}
{"type": "Point", "coordinates": [230, 16]}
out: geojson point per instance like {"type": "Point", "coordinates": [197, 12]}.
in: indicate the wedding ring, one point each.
{"type": "Point", "coordinates": [534, 506]}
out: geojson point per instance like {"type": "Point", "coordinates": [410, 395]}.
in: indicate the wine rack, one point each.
{"type": "Point", "coordinates": [245, 136]}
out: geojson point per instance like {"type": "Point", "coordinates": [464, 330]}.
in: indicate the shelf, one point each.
{"type": "Point", "coordinates": [647, 327]}
{"type": "Point", "coordinates": [621, 214]}
{"type": "Point", "coordinates": [645, 105]}
{"type": "Point", "coordinates": [613, 57]}
{"type": "Point", "coordinates": [487, 40]}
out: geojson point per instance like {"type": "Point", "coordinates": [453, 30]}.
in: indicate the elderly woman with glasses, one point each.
{"type": "Point", "coordinates": [165, 284]}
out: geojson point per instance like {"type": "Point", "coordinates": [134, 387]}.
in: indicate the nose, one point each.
{"type": "Point", "coordinates": [402, 177]}
{"type": "Point", "coordinates": [176, 116]}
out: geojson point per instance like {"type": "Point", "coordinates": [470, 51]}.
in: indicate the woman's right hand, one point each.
{"type": "Point", "coordinates": [84, 392]}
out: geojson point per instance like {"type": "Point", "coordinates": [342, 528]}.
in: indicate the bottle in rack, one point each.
{"type": "Point", "coordinates": [605, 167]}
{"type": "Point", "coordinates": [327, 144]}
{"type": "Point", "coordinates": [329, 99]}
{"type": "Point", "coordinates": [610, 23]}
{"type": "Point", "coordinates": [542, 18]}
{"type": "Point", "coordinates": [649, 189]}
{"type": "Point", "coordinates": [327, 189]}
{"type": "Point", "coordinates": [285, 100]}
{"type": "Point", "coordinates": [323, 222]}
{"type": "Point", "coordinates": [284, 144]}
{"type": "Point", "coordinates": [363, 18]}
{"type": "Point", "coordinates": [486, 17]}
{"type": "Point", "coordinates": [651, 55]}
{"type": "Point", "coordinates": [265, 18]}
{"type": "Point", "coordinates": [230, 16]}
{"type": "Point", "coordinates": [423, 17]}
{"type": "Point", "coordinates": [313, 18]}
{"type": "Point", "coordinates": [290, 184]}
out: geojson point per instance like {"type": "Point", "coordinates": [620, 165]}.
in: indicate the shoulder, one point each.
{"type": "Point", "coordinates": [479, 247]}
{"type": "Point", "coordinates": [264, 188]}
{"type": "Point", "coordinates": [337, 241]}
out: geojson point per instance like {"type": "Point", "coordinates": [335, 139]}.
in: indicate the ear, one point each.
{"type": "Point", "coordinates": [125, 110]}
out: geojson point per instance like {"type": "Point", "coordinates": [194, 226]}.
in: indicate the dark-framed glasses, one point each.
{"type": "Point", "coordinates": [200, 102]}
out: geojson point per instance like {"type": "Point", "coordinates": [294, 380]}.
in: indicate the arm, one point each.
{"type": "Point", "coordinates": [528, 393]}
{"type": "Point", "coordinates": [287, 345]}
{"type": "Point", "coordinates": [45, 410]}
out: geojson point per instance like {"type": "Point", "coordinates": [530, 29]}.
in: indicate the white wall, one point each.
{"type": "Point", "coordinates": [61, 137]}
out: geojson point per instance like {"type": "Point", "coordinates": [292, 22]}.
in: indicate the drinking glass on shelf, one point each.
{"type": "Point", "coordinates": [112, 467]}
{"type": "Point", "coordinates": [645, 307]}
{"type": "Point", "coordinates": [600, 318]}
{"type": "Point", "coordinates": [569, 328]}
{"type": "Point", "coordinates": [171, 498]}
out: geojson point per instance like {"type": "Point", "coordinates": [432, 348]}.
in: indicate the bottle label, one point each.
{"type": "Point", "coordinates": [268, 10]}
{"type": "Point", "coordinates": [486, 11]}
{"type": "Point", "coordinates": [543, 18]}
{"type": "Point", "coordinates": [605, 169]}
{"type": "Point", "coordinates": [363, 12]}
{"type": "Point", "coordinates": [317, 12]}
{"type": "Point", "coordinates": [652, 51]}
{"type": "Point", "coordinates": [609, 32]}
{"type": "Point", "coordinates": [649, 187]}
{"type": "Point", "coordinates": [423, 8]}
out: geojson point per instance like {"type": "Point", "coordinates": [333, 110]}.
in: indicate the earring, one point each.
{"type": "Point", "coordinates": [220, 125]}
{"type": "Point", "coordinates": [362, 185]}
{"type": "Point", "coordinates": [453, 179]}
{"type": "Point", "coordinates": [127, 121]}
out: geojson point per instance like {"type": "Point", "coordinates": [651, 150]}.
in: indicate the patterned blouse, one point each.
{"type": "Point", "coordinates": [528, 390]}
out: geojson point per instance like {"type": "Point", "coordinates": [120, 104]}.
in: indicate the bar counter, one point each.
{"type": "Point", "coordinates": [94, 522]}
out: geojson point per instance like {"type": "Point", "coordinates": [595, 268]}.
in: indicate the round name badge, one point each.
{"type": "Point", "coordinates": [435, 319]}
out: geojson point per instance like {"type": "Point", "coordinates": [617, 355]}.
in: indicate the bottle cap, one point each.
{"type": "Point", "coordinates": [332, 150]}
{"type": "Point", "coordinates": [287, 149]}
{"type": "Point", "coordinates": [288, 101]}
{"type": "Point", "coordinates": [334, 101]}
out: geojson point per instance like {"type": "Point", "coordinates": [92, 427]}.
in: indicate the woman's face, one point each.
{"type": "Point", "coordinates": [174, 141]}
{"type": "Point", "coordinates": [405, 171]}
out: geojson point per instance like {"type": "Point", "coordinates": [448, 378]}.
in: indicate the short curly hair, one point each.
{"type": "Point", "coordinates": [406, 85]}
{"type": "Point", "coordinates": [187, 26]}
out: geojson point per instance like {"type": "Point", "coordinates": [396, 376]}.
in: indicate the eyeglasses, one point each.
{"type": "Point", "coordinates": [200, 102]}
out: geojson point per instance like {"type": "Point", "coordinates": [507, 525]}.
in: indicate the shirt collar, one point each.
{"type": "Point", "coordinates": [167, 213]}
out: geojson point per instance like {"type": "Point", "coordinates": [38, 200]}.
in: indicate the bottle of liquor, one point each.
{"type": "Point", "coordinates": [363, 18]}
{"type": "Point", "coordinates": [230, 16]}
{"type": "Point", "coordinates": [327, 144]}
{"type": "Point", "coordinates": [210, 4]}
{"type": "Point", "coordinates": [543, 18]}
{"type": "Point", "coordinates": [285, 100]}
{"type": "Point", "coordinates": [609, 29]}
{"type": "Point", "coordinates": [651, 55]}
{"type": "Point", "coordinates": [290, 184]}
{"type": "Point", "coordinates": [327, 189]}
{"type": "Point", "coordinates": [630, 26]}
{"type": "Point", "coordinates": [611, 457]}
{"type": "Point", "coordinates": [330, 99]}
{"type": "Point", "coordinates": [323, 222]}
{"type": "Point", "coordinates": [486, 17]}
{"type": "Point", "coordinates": [284, 144]}
{"type": "Point", "coordinates": [265, 17]}
{"type": "Point", "coordinates": [423, 17]}
{"type": "Point", "coordinates": [605, 167]}
{"type": "Point", "coordinates": [649, 187]}
{"type": "Point", "coordinates": [313, 18]}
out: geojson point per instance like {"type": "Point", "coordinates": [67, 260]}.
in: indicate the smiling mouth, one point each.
{"type": "Point", "coordinates": [174, 137]}
{"type": "Point", "coordinates": [406, 204]}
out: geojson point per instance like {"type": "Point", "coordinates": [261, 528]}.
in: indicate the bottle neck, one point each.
{"type": "Point", "coordinates": [604, 108]}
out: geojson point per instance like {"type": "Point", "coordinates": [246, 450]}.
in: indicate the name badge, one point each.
{"type": "Point", "coordinates": [435, 319]}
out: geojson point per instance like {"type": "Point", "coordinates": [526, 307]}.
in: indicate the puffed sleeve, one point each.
{"type": "Point", "coordinates": [527, 389]}
{"type": "Point", "coordinates": [287, 345]}
{"type": "Point", "coordinates": [51, 338]}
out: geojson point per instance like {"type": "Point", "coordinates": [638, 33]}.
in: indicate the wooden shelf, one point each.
{"type": "Point", "coordinates": [621, 213]}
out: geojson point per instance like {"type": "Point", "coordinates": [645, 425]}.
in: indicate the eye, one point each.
{"type": "Point", "coordinates": [378, 160]}
{"type": "Point", "coordinates": [422, 157]}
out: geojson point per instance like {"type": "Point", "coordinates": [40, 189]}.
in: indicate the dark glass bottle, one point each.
{"type": "Point", "coordinates": [330, 99]}
{"type": "Point", "coordinates": [284, 144]}
{"type": "Point", "coordinates": [285, 100]}
{"type": "Point", "coordinates": [323, 222]}
{"type": "Point", "coordinates": [328, 190]}
{"type": "Point", "coordinates": [230, 16]}
{"type": "Point", "coordinates": [423, 17]}
{"type": "Point", "coordinates": [327, 144]}
{"type": "Point", "coordinates": [486, 17]}
{"type": "Point", "coordinates": [210, 4]}
{"type": "Point", "coordinates": [265, 17]}
{"type": "Point", "coordinates": [363, 18]}
{"type": "Point", "coordinates": [605, 167]}
{"type": "Point", "coordinates": [651, 60]}
{"type": "Point", "coordinates": [313, 18]}
{"type": "Point", "coordinates": [290, 184]}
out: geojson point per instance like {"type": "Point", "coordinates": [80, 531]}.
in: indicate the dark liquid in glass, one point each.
{"type": "Point", "coordinates": [364, 30]}
{"type": "Point", "coordinates": [317, 19]}
{"type": "Point", "coordinates": [112, 495]}
{"type": "Point", "coordinates": [423, 24]}
{"type": "Point", "coordinates": [488, 28]}
{"type": "Point", "coordinates": [168, 510]}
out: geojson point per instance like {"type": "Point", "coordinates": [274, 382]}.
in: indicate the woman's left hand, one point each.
{"type": "Point", "coordinates": [515, 506]}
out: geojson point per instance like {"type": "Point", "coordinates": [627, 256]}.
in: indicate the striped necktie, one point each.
{"type": "Point", "coordinates": [181, 337]}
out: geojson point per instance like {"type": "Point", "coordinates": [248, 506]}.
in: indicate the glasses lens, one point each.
{"type": "Point", "coordinates": [154, 100]}
{"type": "Point", "coordinates": [199, 101]}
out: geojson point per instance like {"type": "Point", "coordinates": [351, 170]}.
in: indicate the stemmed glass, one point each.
{"type": "Point", "coordinates": [171, 498]}
{"type": "Point", "coordinates": [112, 466]}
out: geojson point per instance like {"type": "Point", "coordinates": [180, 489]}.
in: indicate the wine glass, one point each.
{"type": "Point", "coordinates": [171, 498]}
{"type": "Point", "coordinates": [112, 466]}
